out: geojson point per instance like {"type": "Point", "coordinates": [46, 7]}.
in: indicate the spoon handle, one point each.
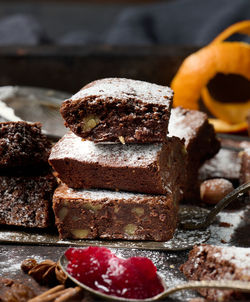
{"type": "Point", "coordinates": [242, 286]}
{"type": "Point", "coordinates": [220, 206]}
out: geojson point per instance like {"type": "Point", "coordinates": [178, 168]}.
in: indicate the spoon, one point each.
{"type": "Point", "coordinates": [219, 206]}
{"type": "Point", "coordinates": [218, 284]}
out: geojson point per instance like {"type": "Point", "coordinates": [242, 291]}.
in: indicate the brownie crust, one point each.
{"type": "Point", "coordinates": [27, 201]}
{"type": "Point", "coordinates": [207, 262]}
{"type": "Point", "coordinates": [119, 110]}
{"type": "Point", "coordinates": [22, 147]}
{"type": "Point", "coordinates": [92, 214]}
{"type": "Point", "coordinates": [145, 168]}
{"type": "Point", "coordinates": [245, 166]}
{"type": "Point", "coordinates": [200, 142]}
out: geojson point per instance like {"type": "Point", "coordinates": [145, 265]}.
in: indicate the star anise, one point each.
{"type": "Point", "coordinates": [46, 272]}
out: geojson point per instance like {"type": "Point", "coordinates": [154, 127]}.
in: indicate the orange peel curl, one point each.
{"type": "Point", "coordinates": [198, 69]}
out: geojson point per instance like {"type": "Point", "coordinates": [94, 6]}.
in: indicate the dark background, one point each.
{"type": "Point", "coordinates": [65, 44]}
{"type": "Point", "coordinates": [173, 22]}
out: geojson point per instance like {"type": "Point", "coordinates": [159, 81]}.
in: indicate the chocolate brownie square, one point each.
{"type": "Point", "coordinates": [22, 147]}
{"type": "Point", "coordinates": [248, 123]}
{"type": "Point", "coordinates": [208, 262]}
{"type": "Point", "coordinates": [90, 214]}
{"type": "Point", "coordinates": [146, 168]}
{"type": "Point", "coordinates": [245, 166]}
{"type": "Point", "coordinates": [27, 201]}
{"type": "Point", "coordinates": [119, 110]}
{"type": "Point", "coordinates": [200, 142]}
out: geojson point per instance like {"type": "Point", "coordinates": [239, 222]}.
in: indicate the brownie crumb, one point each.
{"type": "Point", "coordinates": [225, 224]}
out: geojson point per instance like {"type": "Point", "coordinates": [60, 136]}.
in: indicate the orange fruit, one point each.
{"type": "Point", "coordinates": [190, 82]}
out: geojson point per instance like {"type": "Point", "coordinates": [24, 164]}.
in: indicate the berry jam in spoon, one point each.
{"type": "Point", "coordinates": [101, 270]}
{"type": "Point", "coordinates": [103, 274]}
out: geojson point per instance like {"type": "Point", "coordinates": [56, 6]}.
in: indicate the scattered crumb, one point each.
{"type": "Point", "coordinates": [223, 241]}
{"type": "Point", "coordinates": [171, 266]}
{"type": "Point", "coordinates": [225, 224]}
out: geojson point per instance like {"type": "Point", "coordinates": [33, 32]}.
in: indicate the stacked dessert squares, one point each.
{"type": "Point", "coordinates": [122, 176]}
{"type": "Point", "coordinates": [26, 180]}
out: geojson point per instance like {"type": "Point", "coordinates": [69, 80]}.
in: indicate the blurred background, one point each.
{"type": "Point", "coordinates": [65, 44]}
{"type": "Point", "coordinates": [172, 22]}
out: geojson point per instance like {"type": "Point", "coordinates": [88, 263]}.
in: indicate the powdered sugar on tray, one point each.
{"type": "Point", "coordinates": [126, 89]}
{"type": "Point", "coordinates": [9, 265]}
{"type": "Point", "coordinates": [133, 155]}
{"type": "Point", "coordinates": [224, 234]}
{"type": "Point", "coordinates": [224, 164]}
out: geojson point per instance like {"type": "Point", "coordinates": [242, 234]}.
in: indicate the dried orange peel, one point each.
{"type": "Point", "coordinates": [198, 69]}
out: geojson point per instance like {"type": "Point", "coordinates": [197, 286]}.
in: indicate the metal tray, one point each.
{"type": "Point", "coordinates": [182, 240]}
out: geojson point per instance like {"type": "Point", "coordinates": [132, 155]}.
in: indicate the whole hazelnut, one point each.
{"type": "Point", "coordinates": [28, 264]}
{"type": "Point", "coordinates": [213, 190]}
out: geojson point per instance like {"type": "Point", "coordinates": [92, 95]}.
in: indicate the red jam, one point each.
{"type": "Point", "coordinates": [98, 268]}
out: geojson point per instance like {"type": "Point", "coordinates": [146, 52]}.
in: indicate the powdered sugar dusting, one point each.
{"type": "Point", "coordinates": [133, 155]}
{"type": "Point", "coordinates": [224, 234]}
{"type": "Point", "coordinates": [235, 255]}
{"type": "Point", "coordinates": [120, 88]}
{"type": "Point", "coordinates": [247, 151]}
{"type": "Point", "coordinates": [185, 123]}
{"type": "Point", "coordinates": [100, 194]}
{"type": "Point", "coordinates": [218, 185]}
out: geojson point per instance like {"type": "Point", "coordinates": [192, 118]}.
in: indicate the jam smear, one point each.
{"type": "Point", "coordinates": [100, 269]}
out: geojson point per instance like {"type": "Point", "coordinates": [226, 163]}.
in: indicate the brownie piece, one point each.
{"type": "Point", "coordinates": [22, 146]}
{"type": "Point", "coordinates": [207, 262]}
{"type": "Point", "coordinates": [117, 109]}
{"type": "Point", "coordinates": [245, 166]}
{"type": "Point", "coordinates": [248, 123]}
{"type": "Point", "coordinates": [27, 200]}
{"type": "Point", "coordinates": [146, 168]}
{"type": "Point", "coordinates": [89, 214]}
{"type": "Point", "coordinates": [200, 142]}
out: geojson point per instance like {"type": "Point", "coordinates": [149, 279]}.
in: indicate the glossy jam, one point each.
{"type": "Point", "coordinates": [102, 270]}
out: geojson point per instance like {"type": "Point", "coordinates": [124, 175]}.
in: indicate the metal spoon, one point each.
{"type": "Point", "coordinates": [218, 284]}
{"type": "Point", "coordinates": [220, 206]}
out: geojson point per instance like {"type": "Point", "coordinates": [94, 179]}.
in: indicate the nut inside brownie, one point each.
{"type": "Point", "coordinates": [102, 121]}
{"type": "Point", "coordinates": [89, 214]}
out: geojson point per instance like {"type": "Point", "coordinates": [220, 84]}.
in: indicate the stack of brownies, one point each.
{"type": "Point", "coordinates": [26, 181]}
{"type": "Point", "coordinates": [122, 176]}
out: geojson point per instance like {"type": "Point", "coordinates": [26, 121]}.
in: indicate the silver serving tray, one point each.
{"type": "Point", "coordinates": [34, 105]}
{"type": "Point", "coordinates": [182, 240]}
